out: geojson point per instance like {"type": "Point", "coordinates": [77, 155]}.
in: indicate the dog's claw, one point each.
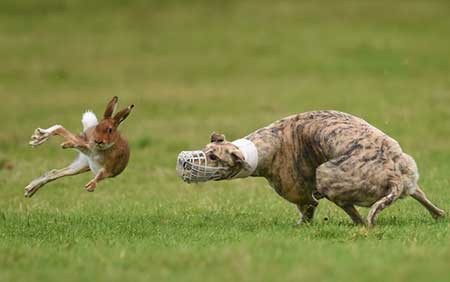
{"type": "Point", "coordinates": [439, 214]}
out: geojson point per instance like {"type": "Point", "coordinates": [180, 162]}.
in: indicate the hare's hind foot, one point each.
{"type": "Point", "coordinates": [41, 135]}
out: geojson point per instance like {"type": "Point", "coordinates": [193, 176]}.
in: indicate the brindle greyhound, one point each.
{"type": "Point", "coordinates": [314, 155]}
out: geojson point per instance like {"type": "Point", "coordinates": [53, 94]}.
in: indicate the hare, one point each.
{"type": "Point", "coordinates": [102, 149]}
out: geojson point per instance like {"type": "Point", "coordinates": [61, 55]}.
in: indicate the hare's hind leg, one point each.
{"type": "Point", "coordinates": [71, 140]}
{"type": "Point", "coordinates": [41, 135]}
{"type": "Point", "coordinates": [78, 166]}
{"type": "Point", "coordinates": [435, 212]}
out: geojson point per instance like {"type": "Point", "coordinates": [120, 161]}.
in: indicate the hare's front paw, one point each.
{"type": "Point", "coordinates": [90, 187]}
{"type": "Point", "coordinates": [67, 145]}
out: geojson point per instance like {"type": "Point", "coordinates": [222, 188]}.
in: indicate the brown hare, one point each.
{"type": "Point", "coordinates": [102, 149]}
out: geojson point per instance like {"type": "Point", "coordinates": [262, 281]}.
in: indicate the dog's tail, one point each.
{"type": "Point", "coordinates": [89, 120]}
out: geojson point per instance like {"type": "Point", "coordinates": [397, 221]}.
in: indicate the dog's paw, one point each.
{"type": "Point", "coordinates": [439, 214]}
{"type": "Point", "coordinates": [302, 223]}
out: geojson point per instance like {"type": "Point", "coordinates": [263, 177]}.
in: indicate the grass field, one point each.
{"type": "Point", "coordinates": [193, 67]}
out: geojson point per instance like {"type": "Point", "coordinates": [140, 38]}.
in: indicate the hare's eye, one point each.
{"type": "Point", "coordinates": [110, 130]}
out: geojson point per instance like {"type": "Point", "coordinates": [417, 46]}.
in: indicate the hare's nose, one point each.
{"type": "Point", "coordinates": [98, 142]}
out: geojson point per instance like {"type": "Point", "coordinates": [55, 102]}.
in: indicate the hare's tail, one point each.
{"type": "Point", "coordinates": [89, 120]}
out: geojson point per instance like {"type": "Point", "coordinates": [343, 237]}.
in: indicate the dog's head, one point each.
{"type": "Point", "coordinates": [220, 159]}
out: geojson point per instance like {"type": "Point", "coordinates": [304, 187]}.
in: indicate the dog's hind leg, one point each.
{"type": "Point", "coordinates": [377, 207]}
{"type": "Point", "coordinates": [78, 166]}
{"type": "Point", "coordinates": [353, 213]}
{"type": "Point", "coordinates": [337, 183]}
{"type": "Point", "coordinates": [420, 196]}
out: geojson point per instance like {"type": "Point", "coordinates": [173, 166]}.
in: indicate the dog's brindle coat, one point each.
{"type": "Point", "coordinates": [333, 155]}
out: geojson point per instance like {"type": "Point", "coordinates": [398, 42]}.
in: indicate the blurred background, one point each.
{"type": "Point", "coordinates": [192, 67]}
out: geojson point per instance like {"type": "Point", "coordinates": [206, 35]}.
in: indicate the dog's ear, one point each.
{"type": "Point", "coordinates": [239, 159]}
{"type": "Point", "coordinates": [217, 138]}
{"type": "Point", "coordinates": [111, 107]}
{"type": "Point", "coordinates": [237, 156]}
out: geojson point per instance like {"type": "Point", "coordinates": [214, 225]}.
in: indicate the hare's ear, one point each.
{"type": "Point", "coordinates": [111, 107]}
{"type": "Point", "coordinates": [122, 115]}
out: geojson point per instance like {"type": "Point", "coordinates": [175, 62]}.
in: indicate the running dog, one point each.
{"type": "Point", "coordinates": [315, 155]}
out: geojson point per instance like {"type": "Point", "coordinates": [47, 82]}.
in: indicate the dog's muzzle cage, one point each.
{"type": "Point", "coordinates": [192, 166]}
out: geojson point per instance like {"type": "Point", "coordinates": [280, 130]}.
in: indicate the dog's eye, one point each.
{"type": "Point", "coordinates": [213, 157]}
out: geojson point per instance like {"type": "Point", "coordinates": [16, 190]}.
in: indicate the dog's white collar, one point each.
{"type": "Point", "coordinates": [250, 152]}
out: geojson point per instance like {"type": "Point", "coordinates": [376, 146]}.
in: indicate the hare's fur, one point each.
{"type": "Point", "coordinates": [102, 149]}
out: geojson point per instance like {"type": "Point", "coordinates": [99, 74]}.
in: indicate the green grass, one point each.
{"type": "Point", "coordinates": [193, 67]}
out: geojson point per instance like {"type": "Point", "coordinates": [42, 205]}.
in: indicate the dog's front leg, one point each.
{"type": "Point", "coordinates": [307, 211]}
